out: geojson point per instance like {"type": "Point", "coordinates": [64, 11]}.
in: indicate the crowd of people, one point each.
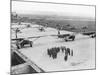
{"type": "Point", "coordinates": [52, 52]}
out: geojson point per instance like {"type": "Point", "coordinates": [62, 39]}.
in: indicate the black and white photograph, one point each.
{"type": "Point", "coordinates": [52, 37]}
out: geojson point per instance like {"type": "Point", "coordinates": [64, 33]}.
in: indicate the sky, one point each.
{"type": "Point", "coordinates": [48, 9]}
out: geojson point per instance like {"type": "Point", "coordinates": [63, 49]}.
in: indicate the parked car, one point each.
{"type": "Point", "coordinates": [70, 38]}
{"type": "Point", "coordinates": [21, 42]}
{"type": "Point", "coordinates": [91, 34]}
{"type": "Point", "coordinates": [67, 37]}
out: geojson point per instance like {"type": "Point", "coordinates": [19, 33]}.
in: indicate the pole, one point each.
{"type": "Point", "coordinates": [16, 33]}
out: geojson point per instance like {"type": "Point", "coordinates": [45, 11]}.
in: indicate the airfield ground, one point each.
{"type": "Point", "coordinates": [83, 48]}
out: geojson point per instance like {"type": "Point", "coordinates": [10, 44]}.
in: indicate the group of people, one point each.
{"type": "Point", "coordinates": [52, 52]}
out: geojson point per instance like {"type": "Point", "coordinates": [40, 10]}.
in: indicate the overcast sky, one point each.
{"type": "Point", "coordinates": [46, 8]}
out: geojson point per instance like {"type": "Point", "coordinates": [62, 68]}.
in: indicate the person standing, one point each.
{"type": "Point", "coordinates": [66, 57]}
{"type": "Point", "coordinates": [68, 50]}
{"type": "Point", "coordinates": [72, 52]}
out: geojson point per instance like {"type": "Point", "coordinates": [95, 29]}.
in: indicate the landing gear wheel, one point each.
{"type": "Point", "coordinates": [73, 39]}
{"type": "Point", "coordinates": [31, 44]}
{"type": "Point", "coordinates": [66, 40]}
